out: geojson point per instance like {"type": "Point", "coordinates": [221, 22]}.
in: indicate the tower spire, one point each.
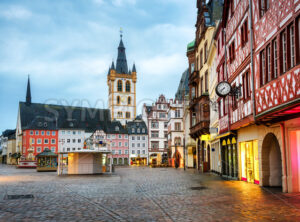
{"type": "Point", "coordinates": [28, 92]}
{"type": "Point", "coordinates": [121, 66]}
{"type": "Point", "coordinates": [133, 68]}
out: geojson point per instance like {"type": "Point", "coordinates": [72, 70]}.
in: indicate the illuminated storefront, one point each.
{"type": "Point", "coordinates": [249, 163]}
{"type": "Point", "coordinates": [294, 160]}
{"type": "Point", "coordinates": [229, 157]}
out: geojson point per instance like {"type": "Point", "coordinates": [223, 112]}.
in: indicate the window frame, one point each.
{"type": "Point", "coordinates": [128, 86]}
{"type": "Point", "coordinates": [120, 86]}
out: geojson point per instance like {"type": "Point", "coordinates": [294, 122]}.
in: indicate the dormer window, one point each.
{"type": "Point", "coordinates": [117, 128]}
{"type": "Point", "coordinates": [143, 130]}
{"type": "Point", "coordinates": [132, 130]}
{"type": "Point", "coordinates": [138, 130]}
{"type": "Point", "coordinates": [45, 124]}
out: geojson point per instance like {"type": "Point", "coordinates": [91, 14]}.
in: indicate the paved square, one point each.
{"type": "Point", "coordinates": [139, 194]}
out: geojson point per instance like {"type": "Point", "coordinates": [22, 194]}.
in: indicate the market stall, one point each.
{"type": "Point", "coordinates": [46, 161]}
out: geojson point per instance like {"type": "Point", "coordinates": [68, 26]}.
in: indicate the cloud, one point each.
{"type": "Point", "coordinates": [119, 3]}
{"type": "Point", "coordinates": [162, 65]}
{"type": "Point", "coordinates": [15, 12]}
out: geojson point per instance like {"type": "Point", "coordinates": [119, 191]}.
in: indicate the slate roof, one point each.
{"type": "Point", "coordinates": [148, 109]}
{"type": "Point", "coordinates": [183, 87]}
{"type": "Point", "coordinates": [10, 134]}
{"type": "Point", "coordinates": [121, 66]}
{"type": "Point", "coordinates": [44, 116]}
{"type": "Point", "coordinates": [136, 124]}
{"type": "Point", "coordinates": [115, 127]}
{"type": "Point", "coordinates": [28, 92]}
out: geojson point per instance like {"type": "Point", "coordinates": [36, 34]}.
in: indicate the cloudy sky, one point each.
{"type": "Point", "coordinates": [66, 46]}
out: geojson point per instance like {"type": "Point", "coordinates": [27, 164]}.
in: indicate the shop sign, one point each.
{"type": "Point", "coordinates": [205, 137]}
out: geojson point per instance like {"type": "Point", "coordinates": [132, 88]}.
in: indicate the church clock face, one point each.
{"type": "Point", "coordinates": [123, 99]}
{"type": "Point", "coordinates": [223, 89]}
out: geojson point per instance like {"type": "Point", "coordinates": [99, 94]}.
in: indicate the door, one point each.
{"type": "Point", "coordinates": [250, 162]}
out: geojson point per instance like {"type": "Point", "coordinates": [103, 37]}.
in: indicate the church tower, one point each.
{"type": "Point", "coordinates": [122, 88]}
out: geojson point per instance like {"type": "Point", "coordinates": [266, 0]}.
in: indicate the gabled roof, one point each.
{"type": "Point", "coordinates": [148, 109]}
{"type": "Point", "coordinates": [44, 116]}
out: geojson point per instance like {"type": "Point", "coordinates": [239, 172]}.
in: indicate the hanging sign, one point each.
{"type": "Point", "coordinates": [205, 137]}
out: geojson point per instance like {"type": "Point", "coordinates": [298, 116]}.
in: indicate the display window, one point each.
{"type": "Point", "coordinates": [249, 163]}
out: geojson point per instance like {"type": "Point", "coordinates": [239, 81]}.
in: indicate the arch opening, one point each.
{"type": "Point", "coordinates": [271, 162]}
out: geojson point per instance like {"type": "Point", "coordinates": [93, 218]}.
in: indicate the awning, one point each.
{"type": "Point", "coordinates": [224, 134]}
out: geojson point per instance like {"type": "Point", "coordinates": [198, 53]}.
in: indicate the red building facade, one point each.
{"type": "Point", "coordinates": [277, 90]}
{"type": "Point", "coordinates": [35, 141]}
{"type": "Point", "coordinates": [260, 124]}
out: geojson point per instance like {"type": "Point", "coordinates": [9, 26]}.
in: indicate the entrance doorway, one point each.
{"type": "Point", "coordinates": [271, 162]}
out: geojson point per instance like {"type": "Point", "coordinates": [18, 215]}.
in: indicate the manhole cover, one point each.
{"type": "Point", "coordinates": [198, 188]}
{"type": "Point", "coordinates": [15, 197]}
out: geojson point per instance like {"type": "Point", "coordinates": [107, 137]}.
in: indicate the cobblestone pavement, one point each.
{"type": "Point", "coordinates": [140, 194]}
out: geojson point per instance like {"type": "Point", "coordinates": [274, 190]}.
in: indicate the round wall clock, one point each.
{"type": "Point", "coordinates": [123, 99]}
{"type": "Point", "coordinates": [223, 88]}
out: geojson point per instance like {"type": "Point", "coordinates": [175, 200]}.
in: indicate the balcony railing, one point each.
{"type": "Point", "coordinates": [194, 76]}
{"type": "Point", "coordinates": [200, 122]}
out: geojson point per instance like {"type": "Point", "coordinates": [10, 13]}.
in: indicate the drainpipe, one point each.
{"type": "Point", "coordinates": [226, 76]}
{"type": "Point", "coordinates": [252, 64]}
{"type": "Point", "coordinates": [284, 161]}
